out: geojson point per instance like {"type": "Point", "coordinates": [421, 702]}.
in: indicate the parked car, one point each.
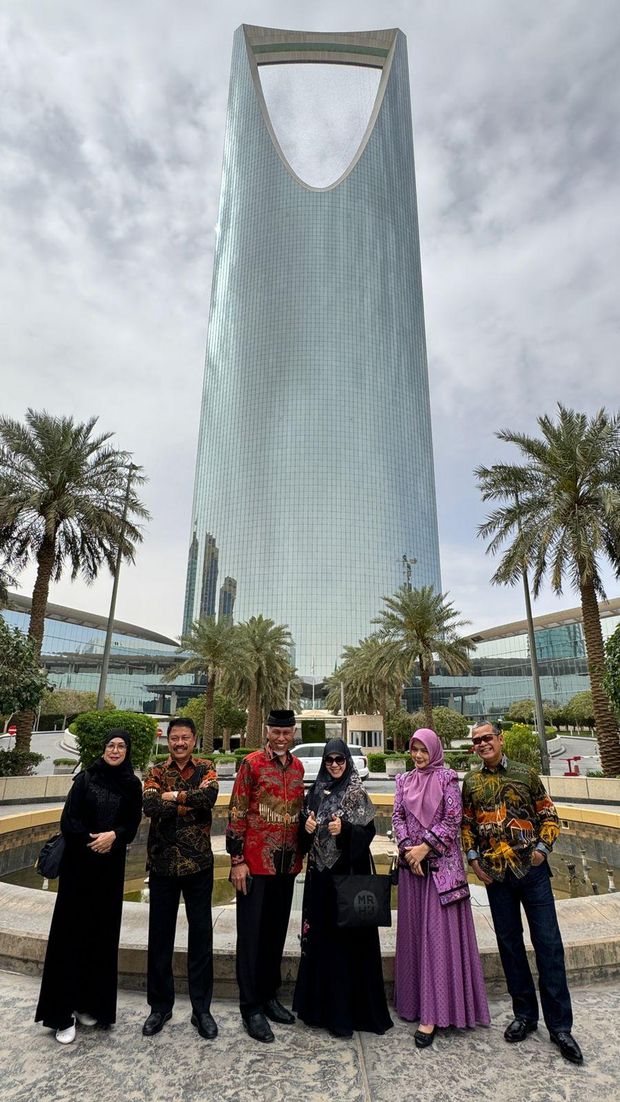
{"type": "Point", "coordinates": [310, 754]}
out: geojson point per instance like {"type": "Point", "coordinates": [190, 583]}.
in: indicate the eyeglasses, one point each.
{"type": "Point", "coordinates": [335, 759]}
{"type": "Point", "coordinates": [482, 738]}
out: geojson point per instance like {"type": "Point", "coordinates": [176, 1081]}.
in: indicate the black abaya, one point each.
{"type": "Point", "coordinates": [80, 971]}
{"type": "Point", "coordinates": [340, 980]}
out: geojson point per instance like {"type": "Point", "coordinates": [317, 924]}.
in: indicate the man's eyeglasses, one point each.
{"type": "Point", "coordinates": [335, 759]}
{"type": "Point", "coordinates": [482, 738]}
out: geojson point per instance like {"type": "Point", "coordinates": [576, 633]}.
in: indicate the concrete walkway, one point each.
{"type": "Point", "coordinates": [303, 1065]}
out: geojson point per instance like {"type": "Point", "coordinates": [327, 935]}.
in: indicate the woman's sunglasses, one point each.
{"type": "Point", "coordinates": [335, 759]}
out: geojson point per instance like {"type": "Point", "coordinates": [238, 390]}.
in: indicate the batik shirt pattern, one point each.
{"type": "Point", "coordinates": [507, 814]}
{"type": "Point", "coordinates": [263, 817]}
{"type": "Point", "coordinates": [179, 841]}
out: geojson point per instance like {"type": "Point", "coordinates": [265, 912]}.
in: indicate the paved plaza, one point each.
{"type": "Point", "coordinates": [304, 1065]}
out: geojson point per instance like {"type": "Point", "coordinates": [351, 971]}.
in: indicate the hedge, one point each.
{"type": "Point", "coordinates": [454, 759]}
{"type": "Point", "coordinates": [18, 763]}
{"type": "Point", "coordinates": [90, 730]}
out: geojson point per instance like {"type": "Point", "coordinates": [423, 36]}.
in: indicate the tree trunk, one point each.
{"type": "Point", "coordinates": [226, 740]}
{"type": "Point", "coordinates": [606, 724]}
{"type": "Point", "coordinates": [425, 679]}
{"type": "Point", "coordinates": [253, 737]}
{"type": "Point", "coordinates": [207, 731]}
{"type": "Point", "coordinates": [45, 563]}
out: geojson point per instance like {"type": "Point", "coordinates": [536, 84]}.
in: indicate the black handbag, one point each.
{"type": "Point", "coordinates": [363, 900]}
{"type": "Point", "coordinates": [47, 863]}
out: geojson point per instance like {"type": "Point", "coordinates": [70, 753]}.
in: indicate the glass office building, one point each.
{"type": "Point", "coordinates": [314, 476]}
{"type": "Point", "coordinates": [501, 669]}
{"type": "Point", "coordinates": [72, 651]}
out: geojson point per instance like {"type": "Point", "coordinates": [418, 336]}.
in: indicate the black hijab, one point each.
{"type": "Point", "coordinates": [120, 778]}
{"type": "Point", "coordinates": [324, 781]}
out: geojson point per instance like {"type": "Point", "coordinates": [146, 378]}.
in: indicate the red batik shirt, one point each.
{"type": "Point", "coordinates": [263, 818]}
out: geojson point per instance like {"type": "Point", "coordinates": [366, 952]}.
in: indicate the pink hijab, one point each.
{"type": "Point", "coordinates": [422, 788]}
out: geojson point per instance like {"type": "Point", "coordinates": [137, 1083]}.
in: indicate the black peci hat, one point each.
{"type": "Point", "coordinates": [281, 717]}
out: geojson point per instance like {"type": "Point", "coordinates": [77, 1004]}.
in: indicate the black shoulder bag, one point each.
{"type": "Point", "coordinates": [363, 900]}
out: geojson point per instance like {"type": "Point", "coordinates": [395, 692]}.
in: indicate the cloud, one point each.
{"type": "Point", "coordinates": [112, 135]}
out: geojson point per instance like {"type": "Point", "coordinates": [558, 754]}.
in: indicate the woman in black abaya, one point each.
{"type": "Point", "coordinates": [340, 980]}
{"type": "Point", "coordinates": [100, 818]}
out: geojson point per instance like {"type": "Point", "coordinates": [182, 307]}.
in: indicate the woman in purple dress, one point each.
{"type": "Point", "coordinates": [438, 977]}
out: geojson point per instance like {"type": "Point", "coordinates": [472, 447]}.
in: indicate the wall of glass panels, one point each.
{"type": "Point", "coordinates": [501, 670]}
{"type": "Point", "coordinates": [71, 653]}
{"type": "Point", "coordinates": [315, 470]}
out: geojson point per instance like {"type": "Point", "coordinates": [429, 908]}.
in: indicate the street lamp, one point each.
{"type": "Point", "coordinates": [105, 662]}
{"type": "Point", "coordinates": [538, 704]}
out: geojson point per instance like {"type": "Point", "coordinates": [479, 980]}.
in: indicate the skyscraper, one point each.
{"type": "Point", "coordinates": [209, 577]}
{"type": "Point", "coordinates": [315, 466]}
{"type": "Point", "coordinates": [226, 606]}
{"type": "Point", "coordinates": [190, 585]}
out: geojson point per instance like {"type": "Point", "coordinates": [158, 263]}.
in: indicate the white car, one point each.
{"type": "Point", "coordinates": [310, 754]}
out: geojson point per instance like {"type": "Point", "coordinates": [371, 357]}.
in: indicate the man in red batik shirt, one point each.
{"type": "Point", "coordinates": [262, 842]}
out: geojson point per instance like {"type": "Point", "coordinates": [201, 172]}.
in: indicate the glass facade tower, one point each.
{"type": "Point", "coordinates": [314, 475]}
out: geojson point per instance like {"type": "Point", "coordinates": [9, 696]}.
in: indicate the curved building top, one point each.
{"type": "Point", "coordinates": [314, 474]}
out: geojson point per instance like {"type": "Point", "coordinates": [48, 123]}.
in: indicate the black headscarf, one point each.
{"type": "Point", "coordinates": [120, 778]}
{"type": "Point", "coordinates": [345, 797]}
{"type": "Point", "coordinates": [324, 780]}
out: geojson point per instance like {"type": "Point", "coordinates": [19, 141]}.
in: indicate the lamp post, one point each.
{"type": "Point", "coordinates": [540, 715]}
{"type": "Point", "coordinates": [538, 704]}
{"type": "Point", "coordinates": [105, 662]}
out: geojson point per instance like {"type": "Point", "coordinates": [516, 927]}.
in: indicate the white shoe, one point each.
{"type": "Point", "coordinates": [66, 1036]}
{"type": "Point", "coordinates": [86, 1019]}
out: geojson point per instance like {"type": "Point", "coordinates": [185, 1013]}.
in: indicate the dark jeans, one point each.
{"type": "Point", "coordinates": [262, 922]}
{"type": "Point", "coordinates": [165, 895]}
{"type": "Point", "coordinates": [505, 899]}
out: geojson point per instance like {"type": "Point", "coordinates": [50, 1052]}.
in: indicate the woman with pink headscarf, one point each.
{"type": "Point", "coordinates": [438, 977]}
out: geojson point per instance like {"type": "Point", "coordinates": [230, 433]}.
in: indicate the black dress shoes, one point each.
{"type": "Point", "coordinates": [518, 1030]}
{"type": "Point", "coordinates": [568, 1047]}
{"type": "Point", "coordinates": [155, 1022]}
{"type": "Point", "coordinates": [424, 1040]}
{"type": "Point", "coordinates": [258, 1027]}
{"type": "Point", "coordinates": [206, 1025]}
{"type": "Point", "coordinates": [278, 1013]}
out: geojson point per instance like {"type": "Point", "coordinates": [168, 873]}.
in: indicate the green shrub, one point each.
{"type": "Point", "coordinates": [91, 728]}
{"type": "Point", "coordinates": [459, 759]}
{"type": "Point", "coordinates": [18, 763]}
{"type": "Point", "coordinates": [65, 761]}
{"type": "Point", "coordinates": [376, 763]}
{"type": "Point", "coordinates": [521, 744]}
{"type": "Point", "coordinates": [222, 759]}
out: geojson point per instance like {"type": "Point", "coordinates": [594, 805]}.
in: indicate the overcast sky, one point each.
{"type": "Point", "coordinates": [111, 132]}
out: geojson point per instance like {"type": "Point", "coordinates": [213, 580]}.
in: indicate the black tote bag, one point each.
{"type": "Point", "coordinates": [363, 899]}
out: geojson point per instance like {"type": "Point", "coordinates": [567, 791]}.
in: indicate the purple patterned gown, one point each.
{"type": "Point", "coordinates": [437, 971]}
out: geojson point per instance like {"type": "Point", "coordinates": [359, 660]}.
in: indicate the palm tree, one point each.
{"type": "Point", "coordinates": [372, 674]}
{"type": "Point", "coordinates": [560, 512]}
{"type": "Point", "coordinates": [62, 492]}
{"type": "Point", "coordinates": [264, 672]}
{"type": "Point", "coordinates": [213, 649]}
{"type": "Point", "coordinates": [421, 623]}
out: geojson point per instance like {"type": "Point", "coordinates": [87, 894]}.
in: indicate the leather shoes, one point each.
{"type": "Point", "coordinates": [206, 1025]}
{"type": "Point", "coordinates": [568, 1047]}
{"type": "Point", "coordinates": [278, 1013]}
{"type": "Point", "coordinates": [424, 1040]}
{"type": "Point", "coordinates": [518, 1030]}
{"type": "Point", "coordinates": [155, 1022]}
{"type": "Point", "coordinates": [258, 1027]}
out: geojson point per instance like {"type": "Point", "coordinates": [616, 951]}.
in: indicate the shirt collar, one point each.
{"type": "Point", "coordinates": [502, 764]}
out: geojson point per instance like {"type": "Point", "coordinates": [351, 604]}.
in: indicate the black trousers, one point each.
{"type": "Point", "coordinates": [533, 891]}
{"type": "Point", "coordinates": [165, 895]}
{"type": "Point", "coordinates": [262, 922]}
